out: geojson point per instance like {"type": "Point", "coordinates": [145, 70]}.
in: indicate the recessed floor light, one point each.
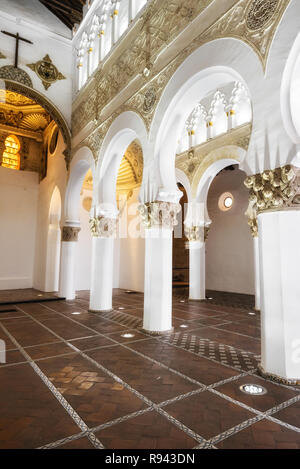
{"type": "Point", "coordinates": [182, 301]}
{"type": "Point", "coordinates": [252, 314]}
{"type": "Point", "coordinates": [127, 336]}
{"type": "Point", "coordinates": [40, 295]}
{"type": "Point", "coordinates": [121, 307]}
{"type": "Point", "coordinates": [184, 326]}
{"type": "Point", "coordinates": [253, 389]}
{"type": "Point", "coordinates": [76, 313]}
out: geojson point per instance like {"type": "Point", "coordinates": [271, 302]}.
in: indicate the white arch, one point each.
{"type": "Point", "coordinates": [126, 128]}
{"type": "Point", "coordinates": [191, 83]}
{"type": "Point", "coordinates": [81, 163]}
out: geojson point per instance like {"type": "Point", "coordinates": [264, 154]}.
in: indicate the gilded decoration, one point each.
{"type": "Point", "coordinates": [130, 173]}
{"type": "Point", "coordinates": [196, 233]}
{"type": "Point", "coordinates": [155, 214]}
{"type": "Point", "coordinates": [29, 93]}
{"type": "Point", "coordinates": [46, 71]}
{"type": "Point", "coordinates": [70, 234]}
{"type": "Point", "coordinates": [155, 31]}
{"type": "Point", "coordinates": [102, 227]}
{"type": "Point", "coordinates": [2, 56]}
{"type": "Point", "coordinates": [277, 189]}
{"type": "Point", "coordinates": [9, 72]}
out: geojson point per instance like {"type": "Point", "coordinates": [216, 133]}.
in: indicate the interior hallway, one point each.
{"type": "Point", "coordinates": [74, 379]}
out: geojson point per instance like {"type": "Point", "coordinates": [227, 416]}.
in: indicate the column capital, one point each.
{"type": "Point", "coordinates": [155, 214]}
{"type": "Point", "coordinates": [102, 227]}
{"type": "Point", "coordinates": [70, 234]}
{"type": "Point", "coordinates": [196, 233]}
{"type": "Point", "coordinates": [272, 190]}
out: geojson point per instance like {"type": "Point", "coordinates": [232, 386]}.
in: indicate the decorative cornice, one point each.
{"type": "Point", "coordinates": [102, 227]}
{"type": "Point", "coordinates": [70, 234]}
{"type": "Point", "coordinates": [155, 214]}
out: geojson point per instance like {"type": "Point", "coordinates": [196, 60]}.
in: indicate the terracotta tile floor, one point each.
{"type": "Point", "coordinates": [73, 381]}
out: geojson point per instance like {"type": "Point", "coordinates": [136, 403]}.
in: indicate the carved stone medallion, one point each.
{"type": "Point", "coordinates": [149, 100]}
{"type": "Point", "coordinates": [46, 71]}
{"type": "Point", "coordinates": [260, 13]}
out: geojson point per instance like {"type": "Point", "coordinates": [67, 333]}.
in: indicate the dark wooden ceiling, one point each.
{"type": "Point", "coordinates": [68, 11]}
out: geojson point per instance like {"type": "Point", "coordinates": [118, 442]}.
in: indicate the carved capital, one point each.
{"type": "Point", "coordinates": [197, 233]}
{"type": "Point", "coordinates": [277, 189]}
{"type": "Point", "coordinates": [70, 234]}
{"type": "Point", "coordinates": [102, 227]}
{"type": "Point", "coordinates": [159, 214]}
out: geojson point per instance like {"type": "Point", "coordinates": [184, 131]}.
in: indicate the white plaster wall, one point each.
{"type": "Point", "coordinates": [84, 248]}
{"type": "Point", "coordinates": [49, 36]}
{"type": "Point", "coordinates": [18, 220]}
{"type": "Point", "coordinates": [229, 248]}
{"type": "Point", "coordinates": [131, 250]}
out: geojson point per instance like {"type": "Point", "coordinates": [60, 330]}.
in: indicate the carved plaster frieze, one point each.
{"type": "Point", "coordinates": [102, 227]}
{"type": "Point", "coordinates": [9, 72]}
{"type": "Point", "coordinates": [272, 190]}
{"type": "Point", "coordinates": [70, 234]}
{"type": "Point", "coordinates": [252, 21]}
{"type": "Point", "coordinates": [155, 214]}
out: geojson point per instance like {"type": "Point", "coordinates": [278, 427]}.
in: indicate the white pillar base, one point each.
{"type": "Point", "coordinates": [67, 270]}
{"type": "Point", "coordinates": [158, 280]}
{"type": "Point", "coordinates": [102, 275]}
{"type": "Point", "coordinates": [279, 249]}
{"type": "Point", "coordinates": [197, 270]}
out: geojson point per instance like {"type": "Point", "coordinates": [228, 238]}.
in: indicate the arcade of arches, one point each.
{"type": "Point", "coordinates": [150, 222]}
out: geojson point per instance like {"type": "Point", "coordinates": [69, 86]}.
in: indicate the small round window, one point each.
{"type": "Point", "coordinates": [226, 201]}
{"type": "Point", "coordinates": [53, 140]}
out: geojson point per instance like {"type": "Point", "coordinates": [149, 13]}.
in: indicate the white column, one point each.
{"type": "Point", "coordinates": [101, 46]}
{"type": "Point", "coordinates": [131, 10]}
{"type": "Point", "coordinates": [279, 249]}
{"type": "Point", "coordinates": [158, 280]}
{"type": "Point", "coordinates": [230, 114]}
{"type": "Point", "coordinates": [257, 274]}
{"type": "Point", "coordinates": [102, 274]}
{"type": "Point", "coordinates": [114, 27]}
{"type": "Point", "coordinates": [197, 270]}
{"type": "Point", "coordinates": [103, 231]}
{"type": "Point", "coordinates": [89, 61]}
{"type": "Point", "coordinates": [209, 125]}
{"type": "Point", "coordinates": [67, 262]}
{"type": "Point", "coordinates": [79, 75]}
{"type": "Point", "coordinates": [159, 219]}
